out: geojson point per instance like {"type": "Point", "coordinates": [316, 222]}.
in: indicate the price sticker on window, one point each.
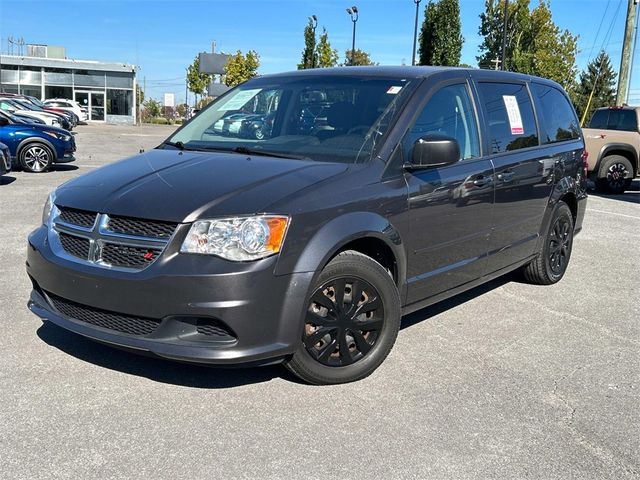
{"type": "Point", "coordinates": [513, 112]}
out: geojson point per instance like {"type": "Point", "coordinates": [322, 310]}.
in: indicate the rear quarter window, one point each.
{"type": "Point", "coordinates": [559, 121]}
{"type": "Point", "coordinates": [510, 117]}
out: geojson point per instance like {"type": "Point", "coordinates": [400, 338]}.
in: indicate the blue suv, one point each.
{"type": "Point", "coordinates": [35, 147]}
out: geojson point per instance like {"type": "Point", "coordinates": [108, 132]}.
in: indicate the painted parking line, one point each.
{"type": "Point", "coordinates": [613, 213]}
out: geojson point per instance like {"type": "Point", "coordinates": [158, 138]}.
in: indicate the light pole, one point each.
{"type": "Point", "coordinates": [353, 13]}
{"type": "Point", "coordinates": [314, 24]}
{"type": "Point", "coordinates": [415, 32]}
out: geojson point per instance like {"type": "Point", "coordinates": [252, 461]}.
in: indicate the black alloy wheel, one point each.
{"type": "Point", "coordinates": [343, 321]}
{"type": "Point", "coordinates": [559, 247]}
{"type": "Point", "coordinates": [554, 252]}
{"type": "Point", "coordinates": [616, 177]}
{"type": "Point", "coordinates": [616, 174]}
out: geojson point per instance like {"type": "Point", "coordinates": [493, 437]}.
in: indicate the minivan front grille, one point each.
{"type": "Point", "coordinates": [110, 242]}
{"type": "Point", "coordinates": [129, 324]}
{"type": "Point", "coordinates": [127, 256]}
{"type": "Point", "coordinates": [76, 246]}
{"type": "Point", "coordinates": [143, 228]}
{"type": "Point", "coordinates": [77, 217]}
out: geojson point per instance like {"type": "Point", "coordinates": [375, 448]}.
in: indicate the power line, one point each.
{"type": "Point", "coordinates": [605, 42]}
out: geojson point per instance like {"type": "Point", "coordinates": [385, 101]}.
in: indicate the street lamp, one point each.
{"type": "Point", "coordinates": [314, 24]}
{"type": "Point", "coordinates": [415, 32]}
{"type": "Point", "coordinates": [353, 13]}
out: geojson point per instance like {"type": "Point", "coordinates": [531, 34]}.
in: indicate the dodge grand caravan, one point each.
{"type": "Point", "coordinates": [375, 192]}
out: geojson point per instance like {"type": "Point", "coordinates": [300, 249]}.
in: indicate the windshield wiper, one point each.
{"type": "Point", "coordinates": [179, 145]}
{"type": "Point", "coordinates": [265, 153]}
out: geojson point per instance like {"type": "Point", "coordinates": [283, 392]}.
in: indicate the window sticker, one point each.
{"type": "Point", "coordinates": [394, 90]}
{"type": "Point", "coordinates": [239, 100]}
{"type": "Point", "coordinates": [513, 111]}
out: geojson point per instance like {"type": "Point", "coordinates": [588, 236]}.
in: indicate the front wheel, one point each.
{"type": "Point", "coordinates": [351, 322]}
{"type": "Point", "coordinates": [36, 158]}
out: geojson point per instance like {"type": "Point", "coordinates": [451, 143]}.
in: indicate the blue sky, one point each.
{"type": "Point", "coordinates": [163, 36]}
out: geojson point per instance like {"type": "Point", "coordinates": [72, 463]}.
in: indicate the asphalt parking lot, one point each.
{"type": "Point", "coordinates": [506, 381]}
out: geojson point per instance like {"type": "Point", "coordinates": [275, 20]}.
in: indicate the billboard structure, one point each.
{"type": "Point", "coordinates": [213, 64]}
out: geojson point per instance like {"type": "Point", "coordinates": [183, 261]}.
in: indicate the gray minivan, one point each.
{"type": "Point", "coordinates": [366, 194]}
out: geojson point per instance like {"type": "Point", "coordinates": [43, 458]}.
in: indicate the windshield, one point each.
{"type": "Point", "coordinates": [333, 119]}
{"type": "Point", "coordinates": [12, 118]}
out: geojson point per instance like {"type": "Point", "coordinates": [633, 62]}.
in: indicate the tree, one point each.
{"type": "Point", "coordinates": [535, 44]}
{"type": "Point", "coordinates": [241, 68]}
{"type": "Point", "coordinates": [440, 36]}
{"type": "Point", "coordinates": [197, 82]}
{"type": "Point", "coordinates": [152, 108]}
{"type": "Point", "coordinates": [309, 54]}
{"type": "Point", "coordinates": [491, 29]}
{"type": "Point", "coordinates": [327, 56]}
{"type": "Point", "coordinates": [600, 78]}
{"type": "Point", "coordinates": [543, 49]}
{"type": "Point", "coordinates": [360, 57]}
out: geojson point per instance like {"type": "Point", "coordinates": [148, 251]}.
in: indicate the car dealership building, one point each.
{"type": "Point", "coordinates": [106, 89]}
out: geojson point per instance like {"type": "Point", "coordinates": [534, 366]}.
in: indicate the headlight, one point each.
{"type": "Point", "coordinates": [59, 136]}
{"type": "Point", "coordinates": [238, 238]}
{"type": "Point", "coordinates": [47, 211]}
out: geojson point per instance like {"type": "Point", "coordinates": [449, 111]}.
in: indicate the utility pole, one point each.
{"type": "Point", "coordinates": [496, 63]}
{"type": "Point", "coordinates": [625, 61]}
{"type": "Point", "coordinates": [503, 63]}
{"type": "Point", "coordinates": [415, 32]}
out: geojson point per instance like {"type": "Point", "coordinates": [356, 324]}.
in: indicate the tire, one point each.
{"type": "Point", "coordinates": [35, 157]}
{"type": "Point", "coordinates": [552, 260]}
{"type": "Point", "coordinates": [331, 350]}
{"type": "Point", "coordinates": [615, 174]}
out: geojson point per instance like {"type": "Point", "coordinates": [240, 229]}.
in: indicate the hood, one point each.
{"type": "Point", "coordinates": [43, 128]}
{"type": "Point", "coordinates": [181, 186]}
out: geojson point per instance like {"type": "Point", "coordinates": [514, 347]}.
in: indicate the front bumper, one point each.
{"type": "Point", "coordinates": [263, 311]}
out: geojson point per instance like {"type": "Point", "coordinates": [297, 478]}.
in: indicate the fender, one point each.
{"type": "Point", "coordinates": [29, 140]}
{"type": "Point", "coordinates": [565, 185]}
{"type": "Point", "coordinates": [337, 233]}
{"type": "Point", "coordinates": [625, 147]}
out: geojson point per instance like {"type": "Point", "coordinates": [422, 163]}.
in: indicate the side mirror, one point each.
{"type": "Point", "coordinates": [434, 150]}
{"type": "Point", "coordinates": [4, 122]}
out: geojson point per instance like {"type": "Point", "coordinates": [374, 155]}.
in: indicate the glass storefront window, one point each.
{"type": "Point", "coordinates": [30, 75]}
{"type": "Point", "coordinates": [88, 78]}
{"type": "Point", "coordinates": [9, 88]}
{"type": "Point", "coordinates": [31, 90]}
{"type": "Point", "coordinates": [51, 91]}
{"type": "Point", "coordinates": [119, 80]}
{"type": "Point", "coordinates": [119, 102]}
{"type": "Point", "coordinates": [58, 76]}
{"type": "Point", "coordinates": [9, 74]}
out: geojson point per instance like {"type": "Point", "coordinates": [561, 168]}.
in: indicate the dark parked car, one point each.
{"type": "Point", "coordinates": [35, 147]}
{"type": "Point", "coordinates": [5, 159]}
{"type": "Point", "coordinates": [308, 248]}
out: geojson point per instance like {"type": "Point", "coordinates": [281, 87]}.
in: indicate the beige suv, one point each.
{"type": "Point", "coordinates": [612, 139]}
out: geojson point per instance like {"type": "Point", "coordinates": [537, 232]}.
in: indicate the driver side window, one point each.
{"type": "Point", "coordinates": [449, 112]}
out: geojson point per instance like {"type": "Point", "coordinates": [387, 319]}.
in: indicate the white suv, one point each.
{"type": "Point", "coordinates": [69, 105]}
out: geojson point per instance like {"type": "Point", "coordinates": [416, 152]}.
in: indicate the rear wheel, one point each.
{"type": "Point", "coordinates": [554, 254]}
{"type": "Point", "coordinates": [351, 322]}
{"type": "Point", "coordinates": [615, 175]}
{"type": "Point", "coordinates": [36, 158]}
